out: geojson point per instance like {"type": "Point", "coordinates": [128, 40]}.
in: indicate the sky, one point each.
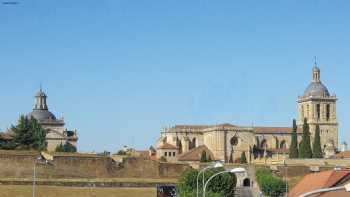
{"type": "Point", "coordinates": [120, 70]}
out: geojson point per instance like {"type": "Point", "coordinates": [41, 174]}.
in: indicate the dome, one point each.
{"type": "Point", "coordinates": [316, 89]}
{"type": "Point", "coordinates": [42, 115]}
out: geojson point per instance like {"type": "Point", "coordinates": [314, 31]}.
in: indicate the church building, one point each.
{"type": "Point", "coordinates": [56, 133]}
{"type": "Point", "coordinates": [227, 142]}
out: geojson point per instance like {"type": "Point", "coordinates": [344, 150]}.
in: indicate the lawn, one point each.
{"type": "Point", "coordinates": [56, 191]}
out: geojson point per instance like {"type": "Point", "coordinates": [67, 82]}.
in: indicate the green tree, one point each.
{"type": "Point", "coordinates": [316, 146]}
{"type": "Point", "coordinates": [220, 186]}
{"type": "Point", "coordinates": [293, 150]}
{"type": "Point", "coordinates": [243, 159]}
{"type": "Point", "coordinates": [305, 145]}
{"type": "Point", "coordinates": [204, 156]}
{"type": "Point", "coordinates": [231, 156]}
{"type": "Point", "coordinates": [67, 147]}
{"type": "Point", "coordinates": [28, 135]}
{"type": "Point", "coordinates": [269, 184]}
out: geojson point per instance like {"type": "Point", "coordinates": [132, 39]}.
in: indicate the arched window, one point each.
{"type": "Point", "coordinates": [328, 112]}
{"type": "Point", "coordinates": [283, 145]}
{"type": "Point", "coordinates": [234, 141]}
{"type": "Point", "coordinates": [263, 144]}
{"type": "Point", "coordinates": [318, 111]}
{"type": "Point", "coordinates": [192, 144]}
{"type": "Point", "coordinates": [179, 145]}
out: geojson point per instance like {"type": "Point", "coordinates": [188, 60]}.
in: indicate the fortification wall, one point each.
{"type": "Point", "coordinates": [16, 164]}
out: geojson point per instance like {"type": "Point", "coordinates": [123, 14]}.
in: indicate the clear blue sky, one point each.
{"type": "Point", "coordinates": [121, 70]}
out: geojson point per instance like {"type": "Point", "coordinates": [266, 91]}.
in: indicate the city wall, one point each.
{"type": "Point", "coordinates": [18, 164]}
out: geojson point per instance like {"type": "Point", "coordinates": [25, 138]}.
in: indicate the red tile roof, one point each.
{"type": "Point", "coordinates": [195, 154]}
{"type": "Point", "coordinates": [318, 180]}
{"type": "Point", "coordinates": [167, 146]}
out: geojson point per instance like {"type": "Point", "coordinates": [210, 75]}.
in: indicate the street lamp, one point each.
{"type": "Point", "coordinates": [216, 165]}
{"type": "Point", "coordinates": [37, 160]}
{"type": "Point", "coordinates": [234, 171]}
{"type": "Point", "coordinates": [346, 187]}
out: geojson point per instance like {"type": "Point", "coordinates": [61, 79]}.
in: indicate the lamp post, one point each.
{"type": "Point", "coordinates": [216, 165]}
{"type": "Point", "coordinates": [345, 187]}
{"type": "Point", "coordinates": [34, 173]}
{"type": "Point", "coordinates": [234, 171]}
{"type": "Point", "coordinates": [37, 160]}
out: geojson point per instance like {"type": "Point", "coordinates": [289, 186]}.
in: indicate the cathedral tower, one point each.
{"type": "Point", "coordinates": [319, 108]}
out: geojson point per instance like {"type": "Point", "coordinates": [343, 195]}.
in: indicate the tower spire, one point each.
{"type": "Point", "coordinates": [315, 61]}
{"type": "Point", "coordinates": [40, 100]}
{"type": "Point", "coordinates": [316, 74]}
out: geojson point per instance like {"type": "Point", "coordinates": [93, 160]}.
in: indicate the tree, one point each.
{"type": "Point", "coordinates": [221, 185]}
{"type": "Point", "coordinates": [293, 150]}
{"type": "Point", "coordinates": [243, 159]}
{"type": "Point", "coordinates": [305, 146]}
{"type": "Point", "coordinates": [231, 156]}
{"type": "Point", "coordinates": [28, 135]}
{"type": "Point", "coordinates": [269, 184]}
{"type": "Point", "coordinates": [67, 147]}
{"type": "Point", "coordinates": [204, 156]}
{"type": "Point", "coordinates": [316, 146]}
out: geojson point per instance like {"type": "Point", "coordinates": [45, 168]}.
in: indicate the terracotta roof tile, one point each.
{"type": "Point", "coordinates": [318, 180]}
{"type": "Point", "coordinates": [195, 154]}
{"type": "Point", "coordinates": [167, 146]}
{"type": "Point", "coordinates": [342, 155]}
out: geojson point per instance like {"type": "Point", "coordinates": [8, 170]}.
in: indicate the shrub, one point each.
{"type": "Point", "coordinates": [222, 185]}
{"type": "Point", "coordinates": [269, 184]}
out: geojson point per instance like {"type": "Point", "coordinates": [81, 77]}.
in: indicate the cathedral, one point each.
{"type": "Point", "coordinates": [227, 142]}
{"type": "Point", "coordinates": [56, 133]}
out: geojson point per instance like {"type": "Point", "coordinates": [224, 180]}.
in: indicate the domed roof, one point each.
{"type": "Point", "coordinates": [316, 89]}
{"type": "Point", "coordinates": [42, 115]}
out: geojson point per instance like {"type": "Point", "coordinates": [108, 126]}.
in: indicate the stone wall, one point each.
{"type": "Point", "coordinates": [20, 165]}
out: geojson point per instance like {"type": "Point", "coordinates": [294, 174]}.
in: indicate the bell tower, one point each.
{"type": "Point", "coordinates": [318, 106]}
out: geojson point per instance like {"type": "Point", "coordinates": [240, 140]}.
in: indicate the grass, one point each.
{"type": "Point", "coordinates": [56, 191]}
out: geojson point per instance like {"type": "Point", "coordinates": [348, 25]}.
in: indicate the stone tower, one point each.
{"type": "Point", "coordinates": [319, 108]}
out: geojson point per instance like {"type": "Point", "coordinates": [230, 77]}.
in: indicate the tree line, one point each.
{"type": "Point", "coordinates": [28, 134]}
{"type": "Point", "coordinates": [303, 149]}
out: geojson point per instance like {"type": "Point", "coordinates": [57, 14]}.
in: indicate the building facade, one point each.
{"type": "Point", "coordinates": [227, 142]}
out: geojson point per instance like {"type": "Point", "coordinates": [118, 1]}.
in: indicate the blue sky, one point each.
{"type": "Point", "coordinates": [120, 70]}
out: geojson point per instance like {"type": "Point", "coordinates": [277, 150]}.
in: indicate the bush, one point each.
{"type": "Point", "coordinates": [67, 147]}
{"type": "Point", "coordinates": [269, 184]}
{"type": "Point", "coordinates": [220, 186]}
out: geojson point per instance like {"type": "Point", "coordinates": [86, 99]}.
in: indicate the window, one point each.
{"type": "Point", "coordinates": [165, 154]}
{"type": "Point", "coordinates": [169, 154]}
{"type": "Point", "coordinates": [327, 112]}
{"type": "Point", "coordinates": [234, 141]}
{"type": "Point", "coordinates": [173, 154]}
{"type": "Point", "coordinates": [318, 111]}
